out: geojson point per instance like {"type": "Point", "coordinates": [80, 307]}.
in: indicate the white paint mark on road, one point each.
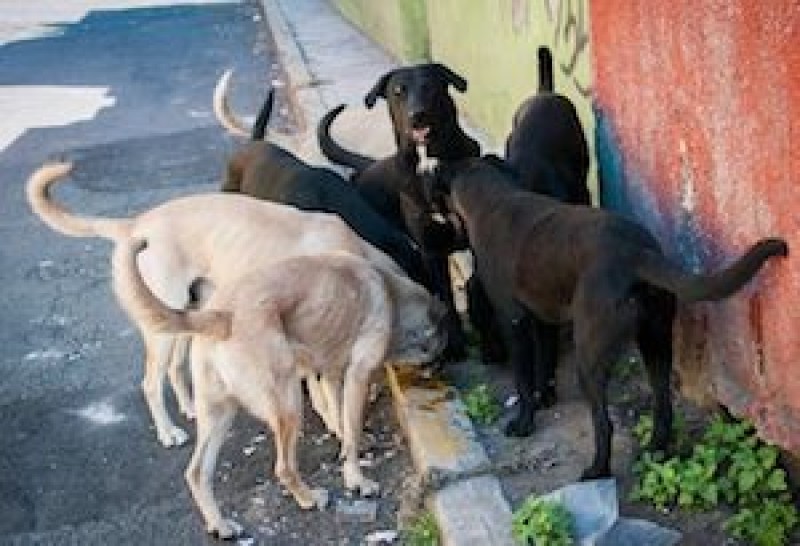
{"type": "Point", "coordinates": [49, 354]}
{"type": "Point", "coordinates": [25, 107]}
{"type": "Point", "coordinates": [25, 20]}
{"type": "Point", "coordinates": [100, 413]}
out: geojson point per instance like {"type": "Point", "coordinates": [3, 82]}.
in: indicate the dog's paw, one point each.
{"type": "Point", "coordinates": [188, 411]}
{"type": "Point", "coordinates": [335, 428]}
{"type": "Point", "coordinates": [226, 529]}
{"type": "Point", "coordinates": [520, 426]}
{"type": "Point", "coordinates": [493, 353]}
{"type": "Point", "coordinates": [173, 436]}
{"type": "Point", "coordinates": [548, 398]}
{"type": "Point", "coordinates": [595, 472]}
{"type": "Point", "coordinates": [454, 352]}
{"type": "Point", "coordinates": [321, 498]}
{"type": "Point", "coordinates": [354, 480]}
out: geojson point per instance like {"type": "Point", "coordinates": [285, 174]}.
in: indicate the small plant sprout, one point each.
{"type": "Point", "coordinates": [540, 522]}
{"type": "Point", "coordinates": [422, 531]}
{"type": "Point", "coordinates": [482, 405]}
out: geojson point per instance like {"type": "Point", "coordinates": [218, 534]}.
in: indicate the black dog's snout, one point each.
{"type": "Point", "coordinates": [418, 119]}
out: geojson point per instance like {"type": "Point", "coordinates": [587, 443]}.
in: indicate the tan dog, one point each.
{"type": "Point", "coordinates": [328, 314]}
{"type": "Point", "coordinates": [218, 237]}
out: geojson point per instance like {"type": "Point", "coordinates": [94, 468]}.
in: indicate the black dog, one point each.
{"type": "Point", "coordinates": [547, 146]}
{"type": "Point", "coordinates": [597, 270]}
{"type": "Point", "coordinates": [427, 133]}
{"type": "Point", "coordinates": [267, 171]}
{"type": "Point", "coordinates": [547, 152]}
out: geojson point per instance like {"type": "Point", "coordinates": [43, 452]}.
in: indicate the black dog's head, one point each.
{"type": "Point", "coordinates": [423, 113]}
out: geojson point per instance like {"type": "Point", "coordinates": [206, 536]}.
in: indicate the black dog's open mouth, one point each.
{"type": "Point", "coordinates": [420, 135]}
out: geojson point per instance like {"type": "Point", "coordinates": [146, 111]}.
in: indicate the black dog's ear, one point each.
{"type": "Point", "coordinates": [378, 90]}
{"type": "Point", "coordinates": [451, 77]}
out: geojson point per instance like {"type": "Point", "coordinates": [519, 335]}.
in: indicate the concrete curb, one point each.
{"type": "Point", "coordinates": [471, 511]}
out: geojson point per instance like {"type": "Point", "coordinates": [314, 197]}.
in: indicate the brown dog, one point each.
{"type": "Point", "coordinates": [219, 237]}
{"type": "Point", "coordinates": [267, 171]}
{"type": "Point", "coordinates": [328, 314]}
{"type": "Point", "coordinates": [601, 272]}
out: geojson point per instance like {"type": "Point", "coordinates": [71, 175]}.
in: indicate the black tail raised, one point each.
{"type": "Point", "coordinates": [259, 130]}
{"type": "Point", "coordinates": [332, 150]}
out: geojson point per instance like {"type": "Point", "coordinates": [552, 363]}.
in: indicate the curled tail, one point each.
{"type": "Point", "coordinates": [228, 119]}
{"type": "Point", "coordinates": [150, 311]}
{"type": "Point", "coordinates": [332, 150]}
{"type": "Point", "coordinates": [61, 220]}
{"type": "Point", "coordinates": [657, 270]}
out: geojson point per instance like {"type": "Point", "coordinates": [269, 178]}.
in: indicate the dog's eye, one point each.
{"type": "Point", "coordinates": [399, 90]}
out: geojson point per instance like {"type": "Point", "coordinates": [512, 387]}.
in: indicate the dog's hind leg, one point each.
{"type": "Point", "coordinates": [367, 354]}
{"type": "Point", "coordinates": [655, 344]}
{"type": "Point", "coordinates": [215, 413]}
{"type": "Point", "coordinates": [177, 378]}
{"type": "Point", "coordinates": [285, 419]}
{"type": "Point", "coordinates": [605, 321]}
{"type": "Point", "coordinates": [158, 351]}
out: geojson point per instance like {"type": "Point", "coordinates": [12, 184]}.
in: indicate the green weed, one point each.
{"type": "Point", "coordinates": [482, 405]}
{"type": "Point", "coordinates": [423, 531]}
{"type": "Point", "coordinates": [541, 522]}
{"type": "Point", "coordinates": [729, 464]}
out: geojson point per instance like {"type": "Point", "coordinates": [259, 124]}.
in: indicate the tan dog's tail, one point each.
{"type": "Point", "coordinates": [61, 220]}
{"type": "Point", "coordinates": [228, 119]}
{"type": "Point", "coordinates": [147, 309]}
{"type": "Point", "coordinates": [222, 110]}
{"type": "Point", "coordinates": [657, 270]}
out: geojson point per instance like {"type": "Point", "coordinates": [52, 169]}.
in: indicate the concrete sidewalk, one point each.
{"type": "Point", "coordinates": [327, 62]}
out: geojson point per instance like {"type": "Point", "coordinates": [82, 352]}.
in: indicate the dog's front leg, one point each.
{"type": "Point", "coordinates": [456, 340]}
{"type": "Point", "coordinates": [324, 393]}
{"type": "Point", "coordinates": [545, 338]}
{"type": "Point", "coordinates": [483, 319]}
{"type": "Point", "coordinates": [522, 360]}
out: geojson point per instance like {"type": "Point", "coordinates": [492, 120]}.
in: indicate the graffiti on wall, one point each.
{"type": "Point", "coordinates": [570, 40]}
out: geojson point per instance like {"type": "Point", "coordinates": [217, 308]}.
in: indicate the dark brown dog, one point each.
{"type": "Point", "coordinates": [427, 134]}
{"type": "Point", "coordinates": [547, 152]}
{"type": "Point", "coordinates": [267, 171]}
{"type": "Point", "coordinates": [601, 272]}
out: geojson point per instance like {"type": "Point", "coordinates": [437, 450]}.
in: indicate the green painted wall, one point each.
{"type": "Point", "coordinates": [494, 44]}
{"type": "Point", "coordinates": [398, 25]}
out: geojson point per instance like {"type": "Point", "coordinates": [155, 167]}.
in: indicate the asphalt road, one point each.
{"type": "Point", "coordinates": [126, 93]}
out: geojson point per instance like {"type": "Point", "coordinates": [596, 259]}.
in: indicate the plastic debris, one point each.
{"type": "Point", "coordinates": [381, 537]}
{"type": "Point", "coordinates": [356, 511]}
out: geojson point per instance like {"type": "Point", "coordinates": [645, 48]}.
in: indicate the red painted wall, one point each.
{"type": "Point", "coordinates": [701, 99]}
